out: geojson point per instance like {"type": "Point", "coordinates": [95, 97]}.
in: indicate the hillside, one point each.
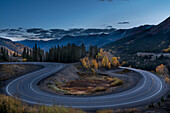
{"type": "Point", "coordinates": [12, 46]}
{"type": "Point", "coordinates": [154, 39]}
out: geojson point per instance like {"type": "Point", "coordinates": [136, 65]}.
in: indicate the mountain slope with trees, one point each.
{"type": "Point", "coordinates": [149, 43]}
{"type": "Point", "coordinates": [11, 46]}
{"type": "Point", "coordinates": [154, 39]}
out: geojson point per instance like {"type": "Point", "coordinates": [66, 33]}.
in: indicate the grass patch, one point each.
{"type": "Point", "coordinates": [58, 89]}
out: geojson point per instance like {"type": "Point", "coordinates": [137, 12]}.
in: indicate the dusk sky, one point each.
{"type": "Point", "coordinates": [82, 13]}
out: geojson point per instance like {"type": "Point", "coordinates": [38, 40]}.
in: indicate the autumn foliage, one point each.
{"type": "Point", "coordinates": [103, 60]}
{"type": "Point", "coordinates": [115, 62]}
{"type": "Point", "coordinates": [85, 62]}
{"type": "Point", "coordinates": [94, 63]}
{"type": "Point", "coordinates": [162, 70]}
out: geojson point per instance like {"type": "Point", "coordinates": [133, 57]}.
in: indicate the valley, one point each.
{"type": "Point", "coordinates": [92, 69]}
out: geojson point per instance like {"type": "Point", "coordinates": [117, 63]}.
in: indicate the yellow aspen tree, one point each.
{"type": "Point", "coordinates": [109, 65]}
{"type": "Point", "coordinates": [101, 52]}
{"type": "Point", "coordinates": [105, 61]}
{"type": "Point", "coordinates": [94, 63]}
{"type": "Point", "coordinates": [83, 61]}
{"type": "Point", "coordinates": [162, 69]}
{"type": "Point", "coordinates": [115, 62]}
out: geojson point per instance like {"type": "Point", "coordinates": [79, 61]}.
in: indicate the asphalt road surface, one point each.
{"type": "Point", "coordinates": [150, 88]}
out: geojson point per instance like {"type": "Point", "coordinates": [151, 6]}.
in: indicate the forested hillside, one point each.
{"type": "Point", "coordinates": [154, 39]}
{"type": "Point", "coordinates": [66, 54]}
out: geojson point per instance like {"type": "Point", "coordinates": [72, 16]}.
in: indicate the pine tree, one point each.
{"type": "Point", "coordinates": [59, 53]}
{"type": "Point", "coordinates": [83, 50]}
{"type": "Point", "coordinates": [27, 54]}
{"type": "Point", "coordinates": [14, 55]}
{"type": "Point", "coordinates": [24, 53]}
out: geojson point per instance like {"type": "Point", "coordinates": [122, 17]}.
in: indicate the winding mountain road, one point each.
{"type": "Point", "coordinates": [150, 88]}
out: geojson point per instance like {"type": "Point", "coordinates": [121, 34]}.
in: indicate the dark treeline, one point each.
{"type": "Point", "coordinates": [4, 54]}
{"type": "Point", "coordinates": [66, 54]}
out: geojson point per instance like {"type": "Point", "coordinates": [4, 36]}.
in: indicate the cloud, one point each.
{"type": "Point", "coordinates": [123, 22]}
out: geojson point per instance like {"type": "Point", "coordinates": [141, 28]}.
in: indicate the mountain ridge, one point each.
{"type": "Point", "coordinates": [154, 39]}
{"type": "Point", "coordinates": [90, 39]}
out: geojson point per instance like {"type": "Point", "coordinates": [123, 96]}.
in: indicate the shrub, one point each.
{"type": "Point", "coordinates": [167, 79]}
{"type": "Point", "coordinates": [12, 105]}
{"type": "Point", "coordinates": [24, 60]}
{"type": "Point", "coordinates": [100, 88]}
{"type": "Point", "coordinates": [115, 62]}
{"type": "Point", "coordinates": [110, 79]}
{"type": "Point", "coordinates": [151, 105]}
{"type": "Point", "coordinates": [159, 103]}
{"type": "Point", "coordinates": [168, 96]}
{"type": "Point", "coordinates": [117, 82]}
{"type": "Point", "coordinates": [162, 69]}
{"type": "Point", "coordinates": [162, 99]}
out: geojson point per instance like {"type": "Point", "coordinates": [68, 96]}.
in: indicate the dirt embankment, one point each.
{"type": "Point", "coordinates": [73, 81]}
{"type": "Point", "coordinates": [65, 75]}
{"type": "Point", "coordinates": [9, 72]}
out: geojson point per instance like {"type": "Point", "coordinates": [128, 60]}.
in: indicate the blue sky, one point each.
{"type": "Point", "coordinates": [81, 13]}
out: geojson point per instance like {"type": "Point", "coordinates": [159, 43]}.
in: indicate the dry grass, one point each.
{"type": "Point", "coordinates": [12, 105]}
{"type": "Point", "coordinates": [9, 71]}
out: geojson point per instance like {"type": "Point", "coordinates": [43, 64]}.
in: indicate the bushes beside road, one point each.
{"type": "Point", "coordinates": [12, 105]}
